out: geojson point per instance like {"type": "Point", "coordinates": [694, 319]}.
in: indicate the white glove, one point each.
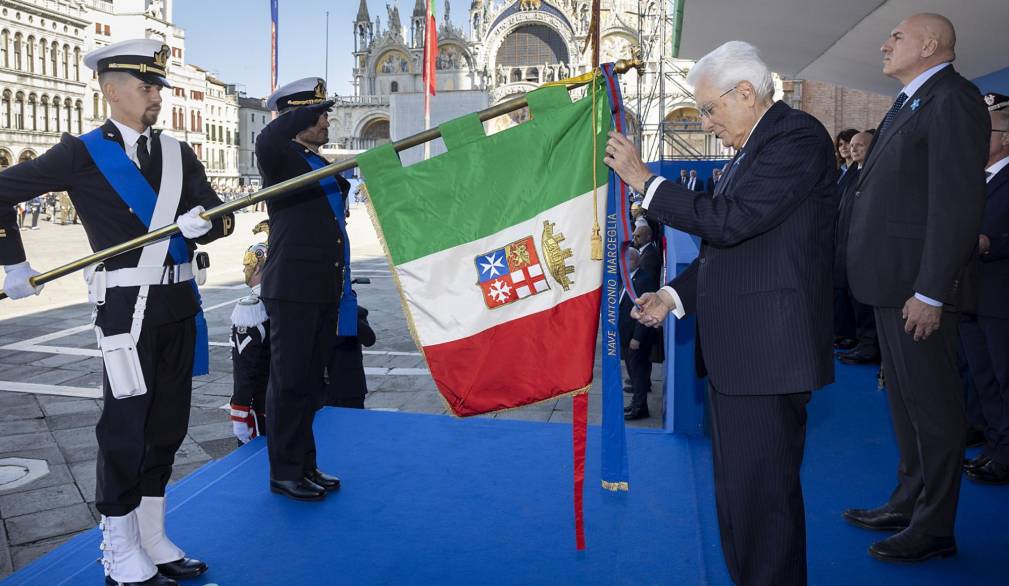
{"type": "Point", "coordinates": [16, 284]}
{"type": "Point", "coordinates": [243, 423]}
{"type": "Point", "coordinates": [192, 225]}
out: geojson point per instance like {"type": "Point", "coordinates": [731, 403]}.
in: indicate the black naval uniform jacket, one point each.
{"type": "Point", "coordinates": [306, 262]}
{"type": "Point", "coordinates": [108, 221]}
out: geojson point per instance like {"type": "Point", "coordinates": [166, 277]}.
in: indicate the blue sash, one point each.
{"type": "Point", "coordinates": [346, 324]}
{"type": "Point", "coordinates": [130, 185]}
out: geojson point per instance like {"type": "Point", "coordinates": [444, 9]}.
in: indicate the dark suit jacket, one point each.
{"type": "Point", "coordinates": [761, 285]}
{"type": "Point", "coordinates": [644, 282]}
{"type": "Point", "coordinates": [846, 194]}
{"type": "Point", "coordinates": [698, 184]}
{"type": "Point", "coordinates": [107, 220]}
{"type": "Point", "coordinates": [651, 262]}
{"type": "Point", "coordinates": [914, 225]}
{"type": "Point", "coordinates": [306, 261]}
{"type": "Point", "coordinates": [709, 185]}
{"type": "Point", "coordinates": [993, 297]}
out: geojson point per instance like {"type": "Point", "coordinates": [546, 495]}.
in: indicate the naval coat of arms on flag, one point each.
{"type": "Point", "coordinates": [491, 248]}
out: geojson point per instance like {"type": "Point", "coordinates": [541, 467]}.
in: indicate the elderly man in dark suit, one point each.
{"type": "Point", "coordinates": [761, 289]}
{"type": "Point", "coordinates": [866, 350]}
{"type": "Point", "coordinates": [636, 339]}
{"type": "Point", "coordinates": [985, 335]}
{"type": "Point", "coordinates": [912, 240]}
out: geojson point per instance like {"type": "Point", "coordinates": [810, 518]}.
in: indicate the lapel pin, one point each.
{"type": "Point", "coordinates": [915, 104]}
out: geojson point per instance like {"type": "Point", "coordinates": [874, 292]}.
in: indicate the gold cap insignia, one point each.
{"type": "Point", "coordinates": [990, 99]}
{"type": "Point", "coordinates": [320, 89]}
{"type": "Point", "coordinates": [161, 57]}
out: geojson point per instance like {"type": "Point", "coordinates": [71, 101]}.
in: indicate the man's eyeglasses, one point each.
{"type": "Point", "coordinates": [999, 130]}
{"type": "Point", "coordinates": [707, 109]}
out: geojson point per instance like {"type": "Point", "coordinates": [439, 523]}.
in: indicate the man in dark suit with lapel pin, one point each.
{"type": "Point", "coordinates": [985, 335]}
{"type": "Point", "coordinates": [305, 286]}
{"type": "Point", "coordinates": [761, 290]}
{"type": "Point", "coordinates": [146, 295]}
{"type": "Point", "coordinates": [911, 246]}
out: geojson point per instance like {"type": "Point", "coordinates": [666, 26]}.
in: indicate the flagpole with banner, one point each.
{"type": "Point", "coordinates": [430, 56]}
{"type": "Point", "coordinates": [274, 28]}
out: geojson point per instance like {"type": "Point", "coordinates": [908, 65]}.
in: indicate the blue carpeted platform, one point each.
{"type": "Point", "coordinates": [433, 500]}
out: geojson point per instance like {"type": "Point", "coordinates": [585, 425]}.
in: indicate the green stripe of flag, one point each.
{"type": "Point", "coordinates": [485, 186]}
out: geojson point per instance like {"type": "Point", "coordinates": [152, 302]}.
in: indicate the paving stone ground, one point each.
{"type": "Point", "coordinates": [59, 429]}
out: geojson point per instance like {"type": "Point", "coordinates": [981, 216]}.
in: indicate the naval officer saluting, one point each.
{"type": "Point", "coordinates": [306, 284]}
{"type": "Point", "coordinates": [126, 179]}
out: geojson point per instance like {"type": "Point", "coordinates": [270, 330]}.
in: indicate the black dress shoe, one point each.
{"type": "Point", "coordinates": [881, 519]}
{"type": "Point", "coordinates": [627, 409]}
{"type": "Point", "coordinates": [845, 344]}
{"type": "Point", "coordinates": [991, 472]}
{"type": "Point", "coordinates": [859, 358]}
{"type": "Point", "coordinates": [975, 463]}
{"type": "Point", "coordinates": [155, 580]}
{"type": "Point", "coordinates": [910, 547]}
{"type": "Point", "coordinates": [634, 414]}
{"type": "Point", "coordinates": [628, 389]}
{"type": "Point", "coordinates": [975, 438]}
{"type": "Point", "coordinates": [299, 490]}
{"type": "Point", "coordinates": [324, 480]}
{"type": "Point", "coordinates": [182, 569]}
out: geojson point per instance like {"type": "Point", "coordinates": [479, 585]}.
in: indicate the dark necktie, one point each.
{"type": "Point", "coordinates": [143, 155]}
{"type": "Point", "coordinates": [891, 114]}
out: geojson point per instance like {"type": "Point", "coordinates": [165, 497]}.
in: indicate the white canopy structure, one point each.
{"type": "Point", "coordinates": [838, 41]}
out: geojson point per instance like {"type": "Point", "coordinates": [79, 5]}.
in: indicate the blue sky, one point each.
{"type": "Point", "coordinates": [231, 38]}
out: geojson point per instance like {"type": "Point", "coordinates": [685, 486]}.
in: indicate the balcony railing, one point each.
{"type": "Point", "coordinates": [362, 100]}
{"type": "Point", "coordinates": [356, 143]}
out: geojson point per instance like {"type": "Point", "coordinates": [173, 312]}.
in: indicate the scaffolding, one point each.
{"type": "Point", "coordinates": [665, 139]}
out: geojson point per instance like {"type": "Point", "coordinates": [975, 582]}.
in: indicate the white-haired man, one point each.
{"type": "Point", "coordinates": [761, 289]}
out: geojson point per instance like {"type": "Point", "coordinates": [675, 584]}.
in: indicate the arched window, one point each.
{"type": "Point", "coordinates": [18, 42]}
{"type": "Point", "coordinates": [33, 111]}
{"type": "Point", "coordinates": [199, 122]}
{"type": "Point", "coordinates": [94, 106]}
{"type": "Point", "coordinates": [394, 87]}
{"type": "Point", "coordinates": [26, 155]}
{"type": "Point", "coordinates": [57, 103]}
{"type": "Point", "coordinates": [54, 50]}
{"type": "Point", "coordinates": [5, 39]}
{"type": "Point", "coordinates": [19, 111]}
{"type": "Point", "coordinates": [45, 113]}
{"type": "Point", "coordinates": [533, 44]}
{"type": "Point", "coordinates": [66, 61]}
{"type": "Point", "coordinates": [79, 110]}
{"type": "Point", "coordinates": [43, 49]}
{"type": "Point", "coordinates": [192, 121]}
{"type": "Point", "coordinates": [105, 107]}
{"type": "Point", "coordinates": [77, 63]}
{"type": "Point", "coordinates": [5, 159]}
{"type": "Point", "coordinates": [30, 54]}
{"type": "Point", "coordinates": [5, 106]}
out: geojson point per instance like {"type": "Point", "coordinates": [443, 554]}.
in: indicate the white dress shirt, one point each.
{"type": "Point", "coordinates": [130, 138]}
{"type": "Point", "coordinates": [679, 312]}
{"type": "Point", "coordinates": [996, 167]}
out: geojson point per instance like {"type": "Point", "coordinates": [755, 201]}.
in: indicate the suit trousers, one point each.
{"type": "Point", "coordinates": [844, 318]}
{"type": "Point", "coordinates": [757, 444]}
{"type": "Point", "coordinates": [986, 344]}
{"type": "Point", "coordinates": [639, 369]}
{"type": "Point", "coordinates": [301, 340]}
{"type": "Point", "coordinates": [925, 395]}
{"type": "Point", "coordinates": [138, 436]}
{"type": "Point", "coordinates": [865, 326]}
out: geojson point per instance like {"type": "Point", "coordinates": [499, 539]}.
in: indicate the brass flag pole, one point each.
{"type": "Point", "coordinates": [621, 66]}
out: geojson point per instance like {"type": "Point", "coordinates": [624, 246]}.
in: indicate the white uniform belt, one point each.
{"type": "Point", "coordinates": [138, 276]}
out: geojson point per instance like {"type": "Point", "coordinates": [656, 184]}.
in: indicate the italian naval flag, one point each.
{"type": "Point", "coordinates": [491, 246]}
